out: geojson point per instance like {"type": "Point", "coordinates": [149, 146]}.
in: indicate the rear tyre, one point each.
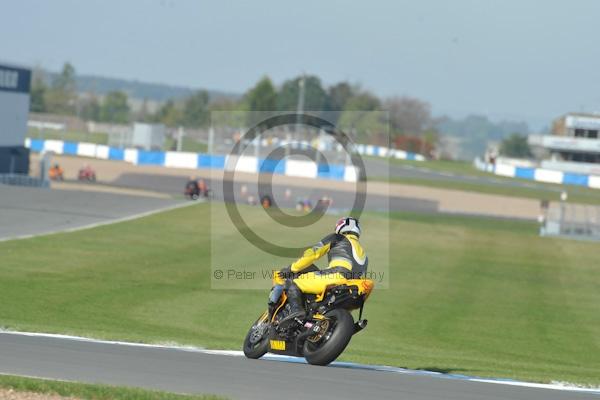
{"type": "Point", "coordinates": [334, 342]}
{"type": "Point", "coordinates": [256, 343]}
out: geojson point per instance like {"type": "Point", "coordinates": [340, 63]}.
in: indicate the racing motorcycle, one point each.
{"type": "Point", "coordinates": [322, 335]}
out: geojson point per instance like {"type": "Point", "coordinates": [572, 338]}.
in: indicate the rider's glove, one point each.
{"type": "Point", "coordinates": [286, 273]}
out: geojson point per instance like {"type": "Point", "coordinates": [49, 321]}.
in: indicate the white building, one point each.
{"type": "Point", "coordinates": [142, 136]}
{"type": "Point", "coordinates": [574, 145]}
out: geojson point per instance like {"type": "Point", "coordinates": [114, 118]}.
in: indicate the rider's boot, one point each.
{"type": "Point", "coordinates": [296, 305]}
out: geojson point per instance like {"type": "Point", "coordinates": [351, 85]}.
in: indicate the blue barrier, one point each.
{"type": "Point", "coordinates": [116, 154]}
{"type": "Point", "coordinates": [267, 165]}
{"type": "Point", "coordinates": [151, 157]}
{"type": "Point", "coordinates": [36, 145]}
{"type": "Point", "coordinates": [575, 179]}
{"type": "Point", "coordinates": [331, 171]}
{"type": "Point", "coordinates": [141, 157]}
{"type": "Point", "coordinates": [70, 148]}
{"type": "Point", "coordinates": [208, 161]}
{"type": "Point", "coordinates": [525, 173]}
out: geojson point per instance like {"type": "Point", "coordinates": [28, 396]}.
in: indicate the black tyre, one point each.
{"type": "Point", "coordinates": [256, 343]}
{"type": "Point", "coordinates": [333, 343]}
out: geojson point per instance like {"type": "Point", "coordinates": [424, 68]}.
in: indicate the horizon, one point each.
{"type": "Point", "coordinates": [505, 60]}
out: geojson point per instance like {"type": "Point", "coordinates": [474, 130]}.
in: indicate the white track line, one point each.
{"type": "Point", "coordinates": [103, 223]}
{"type": "Point", "coordinates": [274, 357]}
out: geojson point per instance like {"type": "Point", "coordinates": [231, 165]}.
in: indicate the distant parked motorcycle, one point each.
{"type": "Point", "coordinates": [196, 188]}
{"type": "Point", "coordinates": [87, 174]}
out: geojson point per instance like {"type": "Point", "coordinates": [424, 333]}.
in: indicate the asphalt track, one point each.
{"type": "Point", "coordinates": [341, 200]}
{"type": "Point", "coordinates": [32, 211]}
{"type": "Point", "coordinates": [229, 374]}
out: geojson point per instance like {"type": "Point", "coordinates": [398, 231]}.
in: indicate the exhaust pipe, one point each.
{"type": "Point", "coordinates": [360, 325]}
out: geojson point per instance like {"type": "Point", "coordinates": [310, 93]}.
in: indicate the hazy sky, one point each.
{"type": "Point", "coordinates": [520, 59]}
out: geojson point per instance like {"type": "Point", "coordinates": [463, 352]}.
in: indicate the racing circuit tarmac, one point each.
{"type": "Point", "coordinates": [226, 373]}
{"type": "Point", "coordinates": [341, 200]}
{"type": "Point", "coordinates": [28, 211]}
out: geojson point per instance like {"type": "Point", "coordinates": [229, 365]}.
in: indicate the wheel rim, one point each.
{"type": "Point", "coordinates": [323, 337]}
{"type": "Point", "coordinates": [258, 333]}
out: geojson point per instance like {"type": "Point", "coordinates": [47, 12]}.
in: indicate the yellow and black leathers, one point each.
{"type": "Point", "coordinates": [346, 260]}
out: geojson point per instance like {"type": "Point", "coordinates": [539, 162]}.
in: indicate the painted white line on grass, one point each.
{"type": "Point", "coordinates": [103, 223]}
{"type": "Point", "coordinates": [339, 364]}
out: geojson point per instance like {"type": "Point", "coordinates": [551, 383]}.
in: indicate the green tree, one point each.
{"type": "Point", "coordinates": [338, 96]}
{"type": "Point", "coordinates": [169, 114]}
{"type": "Point", "coordinates": [228, 113]}
{"type": "Point", "coordinates": [115, 108]}
{"type": "Point", "coordinates": [61, 97]}
{"type": "Point", "coordinates": [408, 115]}
{"type": "Point", "coordinates": [363, 101]}
{"type": "Point", "coordinates": [38, 92]}
{"type": "Point", "coordinates": [91, 109]}
{"type": "Point", "coordinates": [259, 100]}
{"type": "Point", "coordinates": [515, 146]}
{"type": "Point", "coordinates": [315, 97]}
{"type": "Point", "coordinates": [362, 117]}
{"type": "Point", "coordinates": [262, 97]}
{"type": "Point", "coordinates": [195, 110]}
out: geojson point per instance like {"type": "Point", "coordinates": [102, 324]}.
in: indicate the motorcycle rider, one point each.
{"type": "Point", "coordinates": [346, 260]}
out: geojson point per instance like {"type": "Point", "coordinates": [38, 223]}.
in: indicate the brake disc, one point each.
{"type": "Point", "coordinates": [323, 326]}
{"type": "Point", "coordinates": [258, 332]}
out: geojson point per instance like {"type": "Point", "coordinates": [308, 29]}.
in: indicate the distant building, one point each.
{"type": "Point", "coordinates": [573, 146]}
{"type": "Point", "coordinates": [142, 136]}
{"type": "Point", "coordinates": [14, 109]}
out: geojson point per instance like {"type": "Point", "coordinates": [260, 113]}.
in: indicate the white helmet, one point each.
{"type": "Point", "coordinates": [348, 225]}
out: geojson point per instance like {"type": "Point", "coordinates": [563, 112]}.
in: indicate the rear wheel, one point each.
{"type": "Point", "coordinates": [256, 343]}
{"type": "Point", "coordinates": [323, 348]}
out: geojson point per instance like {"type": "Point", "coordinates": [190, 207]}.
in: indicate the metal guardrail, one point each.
{"type": "Point", "coordinates": [572, 220]}
{"type": "Point", "coordinates": [23, 180]}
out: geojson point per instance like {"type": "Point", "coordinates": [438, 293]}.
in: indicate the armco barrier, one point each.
{"type": "Point", "coordinates": [541, 174]}
{"type": "Point", "coordinates": [170, 159]}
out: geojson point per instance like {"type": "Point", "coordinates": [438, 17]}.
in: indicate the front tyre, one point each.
{"type": "Point", "coordinates": [256, 343]}
{"type": "Point", "coordinates": [333, 342]}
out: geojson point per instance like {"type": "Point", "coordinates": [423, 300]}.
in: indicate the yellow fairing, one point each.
{"type": "Point", "coordinates": [316, 283]}
{"type": "Point", "coordinates": [365, 286]}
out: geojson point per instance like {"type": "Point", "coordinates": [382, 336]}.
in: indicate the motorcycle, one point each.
{"type": "Point", "coordinates": [322, 335]}
{"type": "Point", "coordinates": [86, 174]}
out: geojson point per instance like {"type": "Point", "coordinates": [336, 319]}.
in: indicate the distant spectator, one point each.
{"type": "Point", "coordinates": [56, 173]}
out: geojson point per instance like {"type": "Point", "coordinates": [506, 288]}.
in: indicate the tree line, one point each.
{"type": "Point", "coordinates": [404, 122]}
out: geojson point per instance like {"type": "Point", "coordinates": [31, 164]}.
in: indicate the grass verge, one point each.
{"type": "Point", "coordinates": [91, 391]}
{"type": "Point", "coordinates": [69, 136]}
{"type": "Point", "coordinates": [467, 295]}
{"type": "Point", "coordinates": [496, 185]}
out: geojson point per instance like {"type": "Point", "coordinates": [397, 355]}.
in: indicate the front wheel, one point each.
{"type": "Point", "coordinates": [324, 348]}
{"type": "Point", "coordinates": [256, 343]}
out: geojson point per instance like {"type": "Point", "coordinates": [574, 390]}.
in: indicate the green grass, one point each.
{"type": "Point", "coordinates": [69, 136]}
{"type": "Point", "coordinates": [467, 295]}
{"type": "Point", "coordinates": [576, 194]}
{"type": "Point", "coordinates": [189, 144]}
{"type": "Point", "coordinates": [538, 190]}
{"type": "Point", "coordinates": [455, 167]}
{"type": "Point", "coordinates": [91, 391]}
